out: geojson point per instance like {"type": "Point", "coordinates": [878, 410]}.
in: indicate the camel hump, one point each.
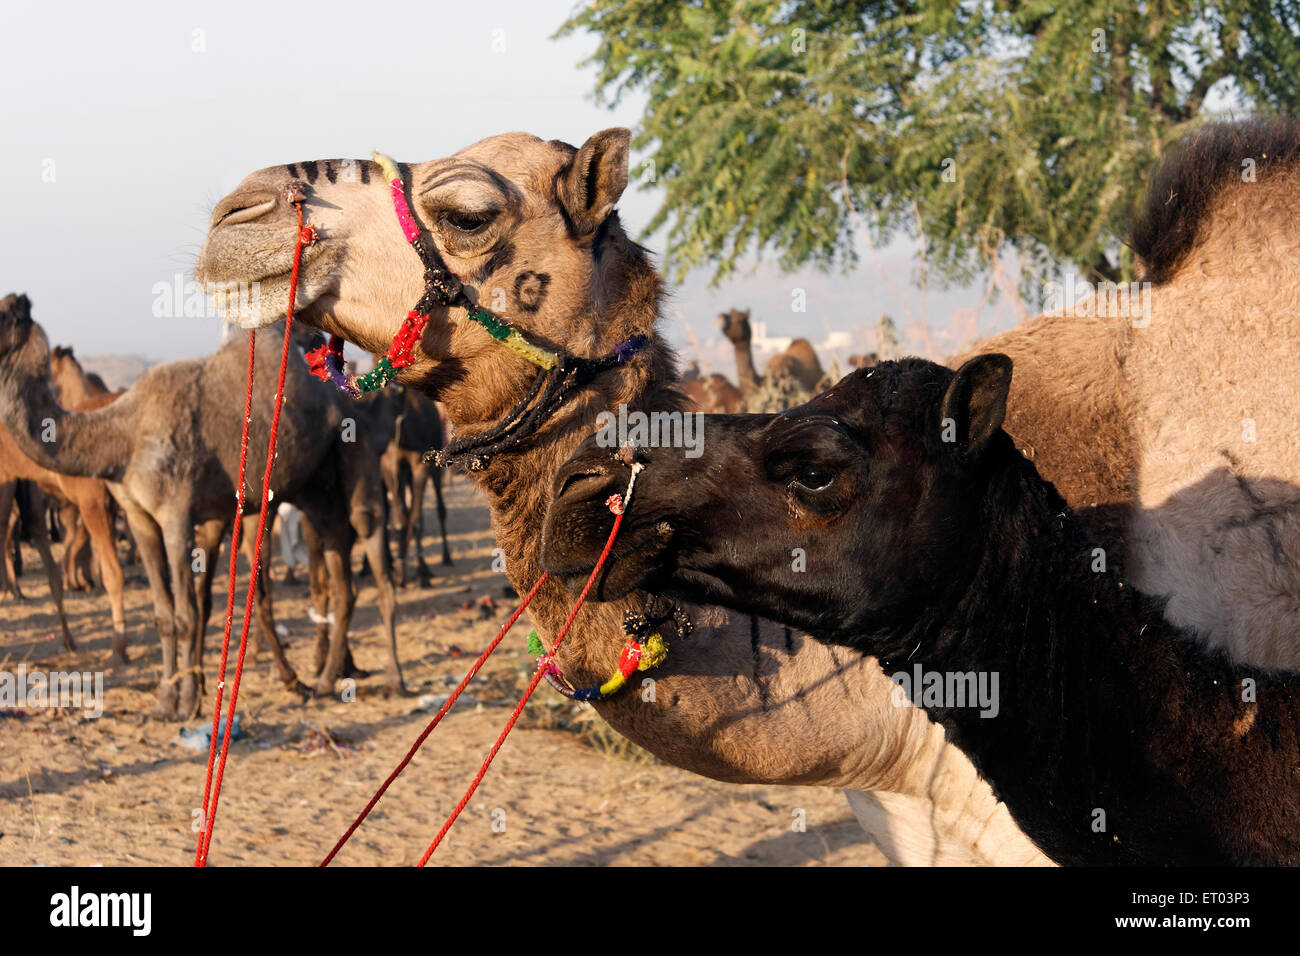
{"type": "Point", "coordinates": [1180, 198]}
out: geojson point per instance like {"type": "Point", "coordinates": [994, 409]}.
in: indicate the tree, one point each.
{"type": "Point", "coordinates": [781, 125]}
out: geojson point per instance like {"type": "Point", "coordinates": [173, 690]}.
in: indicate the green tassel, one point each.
{"type": "Point", "coordinates": [377, 377]}
{"type": "Point", "coordinates": [535, 644]}
{"type": "Point", "coordinates": [498, 330]}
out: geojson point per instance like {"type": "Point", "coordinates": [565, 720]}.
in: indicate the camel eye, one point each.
{"type": "Point", "coordinates": [469, 222]}
{"type": "Point", "coordinates": [814, 479]}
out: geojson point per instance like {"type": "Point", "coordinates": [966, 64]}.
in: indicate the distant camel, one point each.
{"type": "Point", "coordinates": [80, 391]}
{"type": "Point", "coordinates": [406, 425]}
{"type": "Point", "coordinates": [791, 377]}
{"type": "Point", "coordinates": [89, 501]}
{"type": "Point", "coordinates": [170, 446]}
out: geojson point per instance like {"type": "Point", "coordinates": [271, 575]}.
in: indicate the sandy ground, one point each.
{"type": "Point", "coordinates": [565, 790]}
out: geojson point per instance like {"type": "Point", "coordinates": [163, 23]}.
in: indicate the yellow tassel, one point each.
{"type": "Point", "coordinates": [611, 685]}
{"type": "Point", "coordinates": [387, 165]}
{"type": "Point", "coordinates": [537, 356]}
{"type": "Point", "coordinates": [653, 653]}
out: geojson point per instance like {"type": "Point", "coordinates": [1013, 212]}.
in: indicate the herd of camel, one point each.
{"type": "Point", "coordinates": [165, 452]}
{"type": "Point", "coordinates": [1148, 713]}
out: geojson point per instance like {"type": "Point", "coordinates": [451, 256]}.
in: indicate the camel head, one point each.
{"type": "Point", "coordinates": [24, 349]}
{"type": "Point", "coordinates": [63, 362]}
{"type": "Point", "coordinates": [735, 325]}
{"type": "Point", "coordinates": [528, 225]}
{"type": "Point", "coordinates": [840, 516]}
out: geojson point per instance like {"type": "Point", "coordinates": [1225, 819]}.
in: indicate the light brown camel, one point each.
{"type": "Point", "coordinates": [87, 499]}
{"type": "Point", "coordinates": [169, 446]}
{"type": "Point", "coordinates": [741, 700]}
{"type": "Point", "coordinates": [73, 385]}
{"type": "Point", "coordinates": [713, 393]}
{"type": "Point", "coordinates": [744, 700]}
{"type": "Point", "coordinates": [79, 391]}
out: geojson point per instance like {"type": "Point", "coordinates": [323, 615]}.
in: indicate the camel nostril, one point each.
{"type": "Point", "coordinates": [245, 210]}
{"type": "Point", "coordinates": [579, 478]}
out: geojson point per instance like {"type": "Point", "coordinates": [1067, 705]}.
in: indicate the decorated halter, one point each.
{"type": "Point", "coordinates": [561, 372]}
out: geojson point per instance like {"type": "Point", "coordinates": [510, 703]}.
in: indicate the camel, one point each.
{"type": "Point", "coordinates": [713, 393]}
{"type": "Point", "coordinates": [89, 500]}
{"type": "Point", "coordinates": [73, 385]}
{"type": "Point", "coordinates": [790, 378]}
{"type": "Point", "coordinates": [169, 447]}
{"type": "Point", "coordinates": [1113, 738]}
{"type": "Point", "coordinates": [79, 391]}
{"type": "Point", "coordinates": [745, 700]}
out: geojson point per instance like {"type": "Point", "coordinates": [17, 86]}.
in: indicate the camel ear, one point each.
{"type": "Point", "coordinates": [975, 404]}
{"type": "Point", "coordinates": [595, 179]}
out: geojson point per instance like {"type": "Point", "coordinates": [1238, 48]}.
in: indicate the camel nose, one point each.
{"type": "Point", "coordinates": [245, 205]}
{"type": "Point", "coordinates": [587, 476]}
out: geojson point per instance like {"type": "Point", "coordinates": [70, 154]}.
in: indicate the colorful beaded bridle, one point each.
{"type": "Point", "coordinates": [561, 373]}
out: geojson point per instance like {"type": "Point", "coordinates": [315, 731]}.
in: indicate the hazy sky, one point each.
{"type": "Point", "coordinates": [119, 131]}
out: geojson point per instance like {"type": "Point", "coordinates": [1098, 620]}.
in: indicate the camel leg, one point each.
{"type": "Point", "coordinates": [435, 476]}
{"type": "Point", "coordinates": [319, 587]}
{"type": "Point", "coordinates": [335, 539]}
{"type": "Point", "coordinates": [98, 526]}
{"type": "Point", "coordinates": [178, 538]}
{"type": "Point", "coordinates": [394, 478]}
{"type": "Point", "coordinates": [372, 534]}
{"type": "Point", "coordinates": [419, 477]}
{"type": "Point", "coordinates": [32, 507]}
{"type": "Point", "coordinates": [153, 555]}
{"type": "Point", "coordinates": [207, 538]}
{"type": "Point", "coordinates": [262, 604]}
{"type": "Point", "coordinates": [75, 576]}
{"type": "Point", "coordinates": [8, 575]}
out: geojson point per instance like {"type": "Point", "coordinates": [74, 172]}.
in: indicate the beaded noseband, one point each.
{"type": "Point", "coordinates": [561, 372]}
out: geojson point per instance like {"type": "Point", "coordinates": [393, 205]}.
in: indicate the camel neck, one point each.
{"type": "Point", "coordinates": [85, 444]}
{"type": "Point", "coordinates": [1072, 694]}
{"type": "Point", "coordinates": [518, 485]}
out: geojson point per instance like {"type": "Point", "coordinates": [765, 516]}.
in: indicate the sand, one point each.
{"type": "Point", "coordinates": [121, 789]}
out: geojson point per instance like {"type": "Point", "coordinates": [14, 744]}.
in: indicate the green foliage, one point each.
{"type": "Point", "coordinates": [784, 126]}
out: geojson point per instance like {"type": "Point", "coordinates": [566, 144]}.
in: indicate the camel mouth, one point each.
{"type": "Point", "coordinates": [633, 564]}
{"type": "Point", "coordinates": [246, 272]}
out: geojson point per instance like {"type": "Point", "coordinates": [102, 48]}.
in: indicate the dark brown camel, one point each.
{"type": "Point", "coordinates": [924, 538]}
{"type": "Point", "coordinates": [412, 426]}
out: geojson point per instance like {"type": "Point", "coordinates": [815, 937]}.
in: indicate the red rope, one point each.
{"type": "Point", "coordinates": [230, 592]}
{"type": "Point", "coordinates": [305, 238]}
{"type": "Point", "coordinates": [537, 677]}
{"type": "Point", "coordinates": [419, 741]}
